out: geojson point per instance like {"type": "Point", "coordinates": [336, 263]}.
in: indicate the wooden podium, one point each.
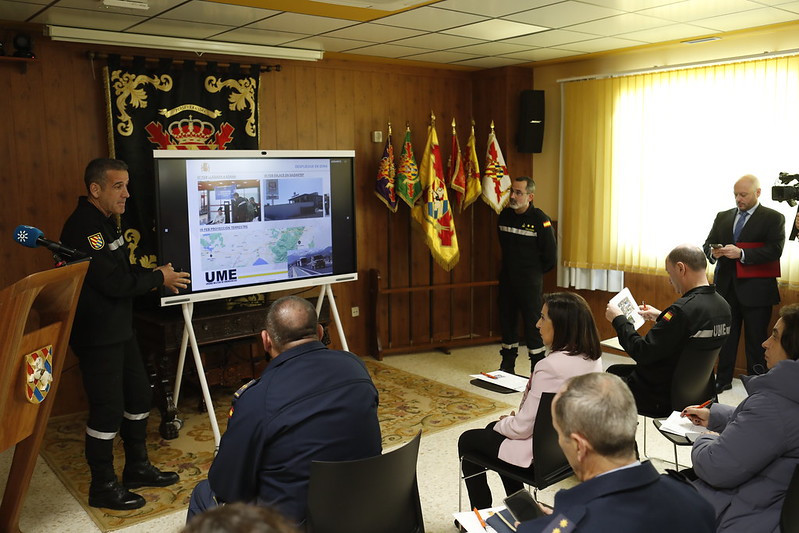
{"type": "Point", "coordinates": [35, 321]}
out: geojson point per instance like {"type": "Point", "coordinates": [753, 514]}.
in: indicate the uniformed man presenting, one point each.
{"type": "Point", "coordinates": [528, 251]}
{"type": "Point", "coordinates": [701, 317]}
{"type": "Point", "coordinates": [116, 382]}
{"type": "Point", "coordinates": [310, 404]}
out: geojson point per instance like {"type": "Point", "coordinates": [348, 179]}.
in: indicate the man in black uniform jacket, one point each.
{"type": "Point", "coordinates": [750, 299]}
{"type": "Point", "coordinates": [116, 382]}
{"type": "Point", "coordinates": [699, 318]}
{"type": "Point", "coordinates": [528, 251]}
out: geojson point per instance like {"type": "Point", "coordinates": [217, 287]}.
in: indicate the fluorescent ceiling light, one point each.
{"type": "Point", "coordinates": [138, 40]}
{"type": "Point", "coordinates": [128, 4]}
{"type": "Point", "coordinates": [701, 40]}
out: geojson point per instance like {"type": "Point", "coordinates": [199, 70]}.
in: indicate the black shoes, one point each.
{"type": "Point", "coordinates": [146, 475]}
{"type": "Point", "coordinates": [721, 387]}
{"type": "Point", "coordinates": [112, 495]}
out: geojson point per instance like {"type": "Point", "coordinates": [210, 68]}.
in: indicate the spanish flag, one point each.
{"type": "Point", "coordinates": [435, 213]}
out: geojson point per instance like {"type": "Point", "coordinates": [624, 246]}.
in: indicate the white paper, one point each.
{"type": "Point", "coordinates": [504, 379]}
{"type": "Point", "coordinates": [679, 425]}
{"type": "Point", "coordinates": [625, 301]}
{"type": "Point", "coordinates": [612, 342]}
{"type": "Point", "coordinates": [470, 523]}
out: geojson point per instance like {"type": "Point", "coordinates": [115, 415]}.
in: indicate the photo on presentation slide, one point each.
{"type": "Point", "coordinates": [289, 199]}
{"type": "Point", "coordinates": [229, 201]}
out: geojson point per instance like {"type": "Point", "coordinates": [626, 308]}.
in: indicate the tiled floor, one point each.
{"type": "Point", "coordinates": [49, 507]}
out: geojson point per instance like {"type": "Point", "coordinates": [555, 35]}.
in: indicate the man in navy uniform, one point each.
{"type": "Point", "coordinates": [528, 251]}
{"type": "Point", "coordinates": [595, 417]}
{"type": "Point", "coordinates": [114, 376]}
{"type": "Point", "coordinates": [310, 404]}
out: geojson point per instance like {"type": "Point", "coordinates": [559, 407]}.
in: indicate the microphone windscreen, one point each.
{"type": "Point", "coordinates": [27, 235]}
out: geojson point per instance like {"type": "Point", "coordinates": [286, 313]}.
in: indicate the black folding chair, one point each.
{"type": "Point", "coordinates": [693, 384]}
{"type": "Point", "coordinates": [549, 464]}
{"type": "Point", "coordinates": [378, 494]}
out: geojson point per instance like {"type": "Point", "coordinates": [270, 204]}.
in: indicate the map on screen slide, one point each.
{"type": "Point", "coordinates": [252, 248]}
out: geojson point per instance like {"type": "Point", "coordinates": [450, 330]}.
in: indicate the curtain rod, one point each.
{"type": "Point", "coordinates": [707, 63]}
{"type": "Point", "coordinates": [263, 68]}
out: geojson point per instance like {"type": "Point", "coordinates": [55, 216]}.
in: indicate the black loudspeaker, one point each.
{"type": "Point", "coordinates": [530, 134]}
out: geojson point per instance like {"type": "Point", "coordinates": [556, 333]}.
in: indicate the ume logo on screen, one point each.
{"type": "Point", "coordinates": [220, 276]}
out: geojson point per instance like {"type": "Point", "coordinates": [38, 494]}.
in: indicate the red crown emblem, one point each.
{"type": "Point", "coordinates": [191, 131]}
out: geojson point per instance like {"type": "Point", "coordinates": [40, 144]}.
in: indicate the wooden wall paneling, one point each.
{"type": "Point", "coordinates": [307, 119]}
{"type": "Point", "coordinates": [267, 110]}
{"type": "Point", "coordinates": [325, 101]}
{"type": "Point", "coordinates": [370, 210]}
{"type": "Point", "coordinates": [399, 227]}
{"type": "Point", "coordinates": [287, 109]}
{"type": "Point", "coordinates": [381, 226]}
{"type": "Point", "coordinates": [344, 110]}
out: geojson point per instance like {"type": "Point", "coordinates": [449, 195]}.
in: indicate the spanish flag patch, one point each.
{"type": "Point", "coordinates": [547, 223]}
{"type": "Point", "coordinates": [667, 316]}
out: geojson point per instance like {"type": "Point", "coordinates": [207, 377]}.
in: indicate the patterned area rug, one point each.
{"type": "Point", "coordinates": [408, 403]}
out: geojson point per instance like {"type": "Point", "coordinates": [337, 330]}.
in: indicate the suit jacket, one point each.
{"type": "Point", "coordinates": [632, 499]}
{"type": "Point", "coordinates": [549, 375]}
{"type": "Point", "coordinates": [765, 225]}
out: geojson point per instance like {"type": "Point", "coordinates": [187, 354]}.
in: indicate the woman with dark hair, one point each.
{"type": "Point", "coordinates": [569, 331]}
{"type": "Point", "coordinates": [744, 465]}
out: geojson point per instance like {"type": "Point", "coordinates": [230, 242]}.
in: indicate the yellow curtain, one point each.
{"type": "Point", "coordinates": [649, 159]}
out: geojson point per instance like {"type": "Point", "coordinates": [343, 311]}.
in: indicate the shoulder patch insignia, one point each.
{"type": "Point", "coordinates": [667, 316]}
{"type": "Point", "coordinates": [547, 223]}
{"type": "Point", "coordinates": [38, 374]}
{"type": "Point", "coordinates": [96, 241]}
{"type": "Point", "coordinates": [560, 524]}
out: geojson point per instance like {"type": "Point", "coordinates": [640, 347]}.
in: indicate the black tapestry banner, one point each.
{"type": "Point", "coordinates": [159, 106]}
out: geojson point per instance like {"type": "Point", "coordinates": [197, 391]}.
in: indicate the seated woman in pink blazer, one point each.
{"type": "Point", "coordinates": [569, 331]}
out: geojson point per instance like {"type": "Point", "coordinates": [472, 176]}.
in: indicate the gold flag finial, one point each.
{"type": "Point", "coordinates": [407, 126]}
{"type": "Point", "coordinates": [492, 125]}
{"type": "Point", "coordinates": [453, 124]}
{"type": "Point", "coordinates": [389, 127]}
{"type": "Point", "coordinates": [432, 117]}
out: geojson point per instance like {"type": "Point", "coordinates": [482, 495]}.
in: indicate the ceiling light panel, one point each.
{"type": "Point", "coordinates": [492, 30]}
{"type": "Point", "coordinates": [564, 14]}
{"type": "Point", "coordinates": [491, 9]}
{"type": "Point", "coordinates": [310, 24]}
{"type": "Point", "coordinates": [430, 19]}
{"type": "Point", "coordinates": [214, 13]}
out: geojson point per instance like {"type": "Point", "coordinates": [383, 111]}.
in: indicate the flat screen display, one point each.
{"type": "Point", "coordinates": [246, 222]}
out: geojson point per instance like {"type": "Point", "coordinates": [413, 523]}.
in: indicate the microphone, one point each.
{"type": "Point", "coordinates": [32, 238]}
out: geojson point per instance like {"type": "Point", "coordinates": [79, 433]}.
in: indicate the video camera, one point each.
{"type": "Point", "coordinates": [786, 192]}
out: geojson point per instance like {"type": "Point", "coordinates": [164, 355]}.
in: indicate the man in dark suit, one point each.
{"type": "Point", "coordinates": [595, 417]}
{"type": "Point", "coordinates": [750, 298]}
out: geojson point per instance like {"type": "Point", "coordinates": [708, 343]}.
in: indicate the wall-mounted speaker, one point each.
{"type": "Point", "coordinates": [530, 133]}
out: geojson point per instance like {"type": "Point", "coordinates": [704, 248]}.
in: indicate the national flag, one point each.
{"type": "Point", "coordinates": [472, 171]}
{"type": "Point", "coordinates": [406, 180]}
{"type": "Point", "coordinates": [435, 213]}
{"type": "Point", "coordinates": [455, 170]}
{"type": "Point", "coordinates": [496, 181]}
{"type": "Point", "coordinates": [384, 187]}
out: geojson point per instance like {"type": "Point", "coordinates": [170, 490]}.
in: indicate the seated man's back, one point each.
{"type": "Point", "coordinates": [310, 404]}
